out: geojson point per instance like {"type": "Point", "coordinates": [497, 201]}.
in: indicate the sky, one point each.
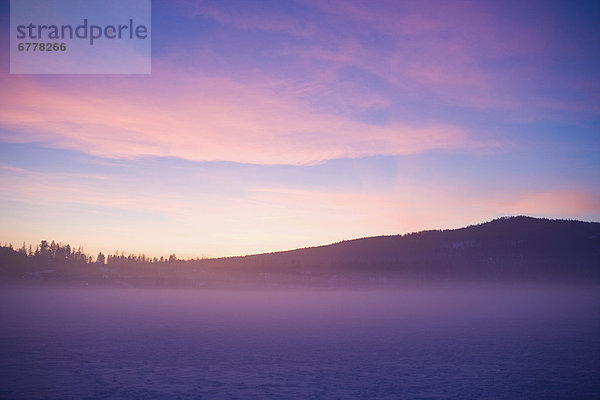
{"type": "Point", "coordinates": [273, 125]}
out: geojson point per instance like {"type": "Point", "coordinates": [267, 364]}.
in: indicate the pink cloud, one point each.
{"type": "Point", "coordinates": [413, 206]}
{"type": "Point", "coordinates": [563, 202]}
{"type": "Point", "coordinates": [462, 204]}
{"type": "Point", "coordinates": [198, 118]}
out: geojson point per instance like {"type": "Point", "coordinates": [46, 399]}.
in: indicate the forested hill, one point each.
{"type": "Point", "coordinates": [506, 249]}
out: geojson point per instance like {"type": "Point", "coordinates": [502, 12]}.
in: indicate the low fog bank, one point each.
{"type": "Point", "coordinates": [206, 278]}
{"type": "Point", "coordinates": [442, 301]}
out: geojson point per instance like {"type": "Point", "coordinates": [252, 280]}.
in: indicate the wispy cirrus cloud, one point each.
{"type": "Point", "coordinates": [482, 55]}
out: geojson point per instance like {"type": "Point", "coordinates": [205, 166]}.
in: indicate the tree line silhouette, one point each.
{"type": "Point", "coordinates": [57, 253]}
{"type": "Point", "coordinates": [514, 248]}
